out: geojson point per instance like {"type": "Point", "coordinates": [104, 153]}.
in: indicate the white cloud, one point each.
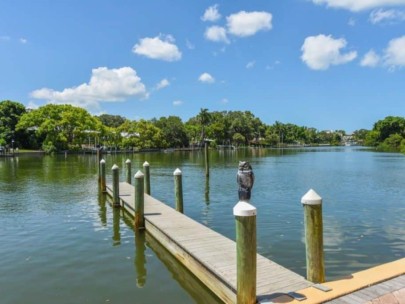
{"type": "Point", "coordinates": [23, 40]}
{"type": "Point", "coordinates": [161, 47]}
{"type": "Point", "coordinates": [319, 52]}
{"type": "Point", "coordinates": [394, 54]}
{"type": "Point", "coordinates": [359, 5]}
{"type": "Point", "coordinates": [250, 64]}
{"type": "Point", "coordinates": [206, 78]}
{"type": "Point", "coordinates": [245, 24]}
{"type": "Point", "coordinates": [386, 16]}
{"type": "Point", "coordinates": [105, 85]}
{"type": "Point", "coordinates": [371, 59]}
{"type": "Point", "coordinates": [177, 103]}
{"type": "Point", "coordinates": [224, 100]}
{"type": "Point", "coordinates": [211, 14]}
{"type": "Point", "coordinates": [162, 84]}
{"type": "Point", "coordinates": [216, 33]}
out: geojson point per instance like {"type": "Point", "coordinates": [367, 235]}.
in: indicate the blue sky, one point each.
{"type": "Point", "coordinates": [328, 64]}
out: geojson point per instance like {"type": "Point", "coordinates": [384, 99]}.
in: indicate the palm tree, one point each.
{"type": "Point", "coordinates": [204, 118]}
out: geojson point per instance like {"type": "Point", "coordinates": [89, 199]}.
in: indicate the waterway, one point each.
{"type": "Point", "coordinates": [61, 242]}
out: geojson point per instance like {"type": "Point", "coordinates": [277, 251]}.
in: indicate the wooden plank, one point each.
{"type": "Point", "coordinates": [388, 299]}
{"type": "Point", "coordinates": [400, 295]}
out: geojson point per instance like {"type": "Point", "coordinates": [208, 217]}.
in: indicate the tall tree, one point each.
{"type": "Point", "coordinates": [10, 113]}
{"type": "Point", "coordinates": [204, 118]}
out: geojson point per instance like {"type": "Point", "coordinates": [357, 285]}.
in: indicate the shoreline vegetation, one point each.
{"type": "Point", "coordinates": [64, 128]}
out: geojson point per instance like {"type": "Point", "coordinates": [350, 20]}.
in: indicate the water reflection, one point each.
{"type": "Point", "coordinates": [183, 276]}
{"type": "Point", "coordinates": [102, 202]}
{"type": "Point", "coordinates": [140, 258]}
{"type": "Point", "coordinates": [116, 226]}
{"type": "Point", "coordinates": [207, 190]}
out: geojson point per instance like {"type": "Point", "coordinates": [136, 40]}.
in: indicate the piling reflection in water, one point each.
{"type": "Point", "coordinates": [186, 279]}
{"type": "Point", "coordinates": [116, 226]}
{"type": "Point", "coordinates": [102, 199]}
{"type": "Point", "coordinates": [207, 190]}
{"type": "Point", "coordinates": [140, 258]}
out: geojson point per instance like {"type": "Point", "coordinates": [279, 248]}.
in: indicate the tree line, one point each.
{"type": "Point", "coordinates": [55, 128]}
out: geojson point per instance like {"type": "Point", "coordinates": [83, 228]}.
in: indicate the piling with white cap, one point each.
{"type": "Point", "coordinates": [178, 189]}
{"type": "Point", "coordinates": [139, 201]}
{"type": "Point", "coordinates": [128, 167]}
{"type": "Point", "coordinates": [116, 185]}
{"type": "Point", "coordinates": [246, 252]}
{"type": "Point", "coordinates": [146, 171]}
{"type": "Point", "coordinates": [102, 173]}
{"type": "Point", "coordinates": [312, 203]}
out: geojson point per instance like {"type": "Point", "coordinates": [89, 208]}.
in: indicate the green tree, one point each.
{"type": "Point", "coordinates": [10, 113]}
{"type": "Point", "coordinates": [203, 118]}
{"type": "Point", "coordinates": [391, 143]}
{"type": "Point", "coordinates": [360, 135]}
{"type": "Point", "coordinates": [372, 138]}
{"type": "Point", "coordinates": [141, 134]}
{"type": "Point", "coordinates": [113, 121]}
{"type": "Point", "coordinates": [62, 126]}
{"type": "Point", "coordinates": [390, 125]}
{"type": "Point", "coordinates": [173, 131]}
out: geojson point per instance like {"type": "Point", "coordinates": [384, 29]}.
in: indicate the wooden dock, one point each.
{"type": "Point", "coordinates": [210, 256]}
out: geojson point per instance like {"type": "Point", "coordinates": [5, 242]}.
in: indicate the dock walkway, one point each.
{"type": "Point", "coordinates": [209, 255]}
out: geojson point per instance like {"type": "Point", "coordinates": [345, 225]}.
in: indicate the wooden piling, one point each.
{"type": "Point", "coordinates": [139, 201]}
{"type": "Point", "coordinates": [116, 189]}
{"type": "Point", "coordinates": [245, 218]}
{"type": "Point", "coordinates": [99, 158]}
{"type": "Point", "coordinates": [128, 171]}
{"type": "Point", "coordinates": [102, 174]}
{"type": "Point", "coordinates": [312, 203]}
{"type": "Point", "coordinates": [207, 159]}
{"type": "Point", "coordinates": [146, 171]}
{"type": "Point", "coordinates": [178, 189]}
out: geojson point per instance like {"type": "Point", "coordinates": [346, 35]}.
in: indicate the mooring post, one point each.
{"type": "Point", "coordinates": [245, 218]}
{"type": "Point", "coordinates": [102, 173]}
{"type": "Point", "coordinates": [98, 162]}
{"type": "Point", "coordinates": [146, 171]}
{"type": "Point", "coordinates": [178, 189]}
{"type": "Point", "coordinates": [116, 185]}
{"type": "Point", "coordinates": [312, 203]}
{"type": "Point", "coordinates": [128, 167]}
{"type": "Point", "coordinates": [139, 201]}
{"type": "Point", "coordinates": [207, 159]}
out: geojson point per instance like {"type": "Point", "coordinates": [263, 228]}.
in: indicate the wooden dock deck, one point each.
{"type": "Point", "coordinates": [391, 291]}
{"type": "Point", "coordinates": [210, 256]}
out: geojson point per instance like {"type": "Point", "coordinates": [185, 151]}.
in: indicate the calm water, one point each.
{"type": "Point", "coordinates": [61, 242]}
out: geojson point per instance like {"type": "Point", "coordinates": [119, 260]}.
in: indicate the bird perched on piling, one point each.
{"type": "Point", "coordinates": [245, 178]}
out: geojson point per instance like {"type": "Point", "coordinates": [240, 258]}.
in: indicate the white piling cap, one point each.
{"type": "Point", "coordinates": [128, 161]}
{"type": "Point", "coordinates": [115, 167]}
{"type": "Point", "coordinates": [177, 172]}
{"type": "Point", "coordinates": [244, 209]}
{"type": "Point", "coordinates": [102, 161]}
{"type": "Point", "coordinates": [139, 174]}
{"type": "Point", "coordinates": [146, 164]}
{"type": "Point", "coordinates": [311, 198]}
